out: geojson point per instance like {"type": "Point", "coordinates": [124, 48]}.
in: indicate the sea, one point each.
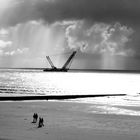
{"type": "Point", "coordinates": [15, 82]}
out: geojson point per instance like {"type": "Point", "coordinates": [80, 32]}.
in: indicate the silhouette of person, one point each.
{"type": "Point", "coordinates": [35, 117]}
{"type": "Point", "coordinates": [41, 122]}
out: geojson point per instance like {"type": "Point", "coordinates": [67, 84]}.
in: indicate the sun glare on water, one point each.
{"type": "Point", "coordinates": [92, 83]}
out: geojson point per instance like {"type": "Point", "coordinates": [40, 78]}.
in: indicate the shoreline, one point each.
{"type": "Point", "coordinates": [53, 97]}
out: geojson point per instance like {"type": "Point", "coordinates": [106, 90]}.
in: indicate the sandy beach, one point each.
{"type": "Point", "coordinates": [64, 121]}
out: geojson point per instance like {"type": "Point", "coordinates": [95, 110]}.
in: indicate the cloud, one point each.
{"type": "Point", "coordinates": [3, 32]}
{"type": "Point", "coordinates": [93, 26]}
{"type": "Point", "coordinates": [50, 11]}
{"type": "Point", "coordinates": [16, 52]}
{"type": "Point", "coordinates": [106, 13]}
{"type": "Point", "coordinates": [4, 44]}
{"type": "Point", "coordinates": [99, 38]}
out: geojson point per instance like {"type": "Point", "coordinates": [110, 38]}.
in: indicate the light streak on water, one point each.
{"type": "Point", "coordinates": [38, 82]}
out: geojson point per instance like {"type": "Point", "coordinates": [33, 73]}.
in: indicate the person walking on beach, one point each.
{"type": "Point", "coordinates": [41, 122]}
{"type": "Point", "coordinates": [35, 117]}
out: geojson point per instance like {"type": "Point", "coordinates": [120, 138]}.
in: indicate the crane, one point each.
{"type": "Point", "coordinates": [50, 62]}
{"type": "Point", "coordinates": [64, 68]}
{"type": "Point", "coordinates": [69, 60]}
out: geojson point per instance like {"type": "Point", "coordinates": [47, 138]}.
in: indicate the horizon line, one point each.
{"type": "Point", "coordinates": [82, 70]}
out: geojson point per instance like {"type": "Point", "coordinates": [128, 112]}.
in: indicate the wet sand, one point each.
{"type": "Point", "coordinates": [64, 121]}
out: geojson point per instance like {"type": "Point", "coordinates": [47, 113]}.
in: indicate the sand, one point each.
{"type": "Point", "coordinates": [64, 121]}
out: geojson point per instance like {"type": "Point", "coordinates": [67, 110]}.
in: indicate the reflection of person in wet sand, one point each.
{"type": "Point", "coordinates": [41, 122]}
{"type": "Point", "coordinates": [35, 117]}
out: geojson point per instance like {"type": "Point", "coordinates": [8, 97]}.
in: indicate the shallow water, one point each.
{"type": "Point", "coordinates": [36, 82]}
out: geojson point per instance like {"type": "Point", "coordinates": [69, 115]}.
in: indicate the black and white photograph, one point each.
{"type": "Point", "coordinates": [69, 69]}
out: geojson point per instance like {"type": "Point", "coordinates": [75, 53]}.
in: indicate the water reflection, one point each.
{"type": "Point", "coordinates": [38, 82]}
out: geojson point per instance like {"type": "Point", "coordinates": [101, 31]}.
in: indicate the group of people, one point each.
{"type": "Point", "coordinates": [41, 120]}
{"type": "Point", "coordinates": [35, 117]}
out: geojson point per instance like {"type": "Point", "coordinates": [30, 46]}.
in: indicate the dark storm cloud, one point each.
{"type": "Point", "coordinates": [126, 11]}
{"type": "Point", "coordinates": [123, 11]}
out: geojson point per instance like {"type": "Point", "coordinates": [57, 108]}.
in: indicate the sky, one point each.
{"type": "Point", "coordinates": [105, 33]}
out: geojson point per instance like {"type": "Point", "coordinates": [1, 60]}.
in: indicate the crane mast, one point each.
{"type": "Point", "coordinates": [69, 60]}
{"type": "Point", "coordinates": [50, 62]}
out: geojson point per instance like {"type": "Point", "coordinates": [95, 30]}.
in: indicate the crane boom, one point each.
{"type": "Point", "coordinates": [63, 69]}
{"type": "Point", "coordinates": [50, 62]}
{"type": "Point", "coordinates": [69, 60]}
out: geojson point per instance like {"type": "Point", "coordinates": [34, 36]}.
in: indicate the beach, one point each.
{"type": "Point", "coordinates": [87, 118]}
{"type": "Point", "coordinates": [65, 121]}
